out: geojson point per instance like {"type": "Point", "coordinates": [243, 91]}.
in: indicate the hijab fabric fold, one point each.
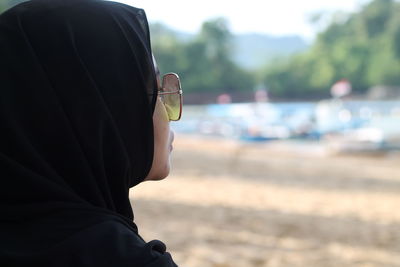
{"type": "Point", "coordinates": [77, 93]}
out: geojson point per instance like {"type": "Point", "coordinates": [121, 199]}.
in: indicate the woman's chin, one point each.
{"type": "Point", "coordinates": [158, 174]}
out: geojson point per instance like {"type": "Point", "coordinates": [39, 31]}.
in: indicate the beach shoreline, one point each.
{"type": "Point", "coordinates": [230, 203]}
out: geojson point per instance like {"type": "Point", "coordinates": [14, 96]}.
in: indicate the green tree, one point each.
{"type": "Point", "coordinates": [204, 61]}
{"type": "Point", "coordinates": [363, 47]}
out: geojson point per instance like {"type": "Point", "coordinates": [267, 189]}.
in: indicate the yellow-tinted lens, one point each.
{"type": "Point", "coordinates": [173, 105]}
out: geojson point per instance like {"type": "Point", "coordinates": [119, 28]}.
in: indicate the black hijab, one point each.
{"type": "Point", "coordinates": [77, 93]}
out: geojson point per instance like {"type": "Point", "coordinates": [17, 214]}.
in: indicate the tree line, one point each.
{"type": "Point", "coordinates": [363, 47]}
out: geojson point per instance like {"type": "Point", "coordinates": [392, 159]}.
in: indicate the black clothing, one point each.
{"type": "Point", "coordinates": [77, 93]}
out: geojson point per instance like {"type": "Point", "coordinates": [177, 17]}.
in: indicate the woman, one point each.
{"type": "Point", "coordinates": [78, 103]}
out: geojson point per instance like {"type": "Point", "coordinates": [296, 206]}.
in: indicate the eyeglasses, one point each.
{"type": "Point", "coordinates": [171, 95]}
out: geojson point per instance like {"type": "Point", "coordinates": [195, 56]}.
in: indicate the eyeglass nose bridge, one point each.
{"type": "Point", "coordinates": [179, 92]}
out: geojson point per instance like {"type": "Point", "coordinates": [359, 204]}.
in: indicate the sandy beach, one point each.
{"type": "Point", "coordinates": [273, 204]}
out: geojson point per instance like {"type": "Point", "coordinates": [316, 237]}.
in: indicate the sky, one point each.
{"type": "Point", "coordinates": [278, 17]}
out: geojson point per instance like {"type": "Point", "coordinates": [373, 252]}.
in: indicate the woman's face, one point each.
{"type": "Point", "coordinates": [163, 138]}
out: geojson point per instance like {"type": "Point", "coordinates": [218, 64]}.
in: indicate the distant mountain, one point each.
{"type": "Point", "coordinates": [250, 50]}
{"type": "Point", "coordinates": [256, 50]}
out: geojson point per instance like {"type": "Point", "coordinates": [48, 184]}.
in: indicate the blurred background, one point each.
{"type": "Point", "coordinates": [288, 150]}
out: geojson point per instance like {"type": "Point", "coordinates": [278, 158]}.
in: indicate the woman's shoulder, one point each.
{"type": "Point", "coordinates": [109, 243]}
{"type": "Point", "coordinates": [112, 243]}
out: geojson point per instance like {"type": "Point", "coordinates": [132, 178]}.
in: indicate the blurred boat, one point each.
{"type": "Point", "coordinates": [343, 125]}
{"type": "Point", "coordinates": [359, 126]}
